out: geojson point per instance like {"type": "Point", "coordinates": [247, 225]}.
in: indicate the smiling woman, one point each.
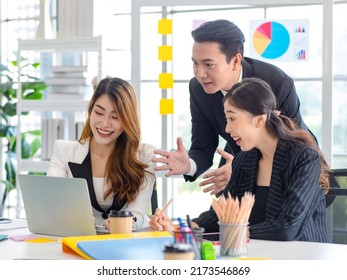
{"type": "Point", "coordinates": [279, 163]}
{"type": "Point", "coordinates": [109, 154]}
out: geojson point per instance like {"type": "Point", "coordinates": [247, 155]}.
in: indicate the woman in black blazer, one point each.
{"type": "Point", "coordinates": [278, 162]}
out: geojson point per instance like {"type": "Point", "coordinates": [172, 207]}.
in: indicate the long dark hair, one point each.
{"type": "Point", "coordinates": [256, 97]}
{"type": "Point", "coordinates": [124, 172]}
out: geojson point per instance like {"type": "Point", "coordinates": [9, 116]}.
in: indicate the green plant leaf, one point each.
{"type": "Point", "coordinates": [10, 168]}
{"type": "Point", "coordinates": [10, 109]}
{"type": "Point", "coordinates": [7, 90]}
{"type": "Point", "coordinates": [3, 116]}
{"type": "Point", "coordinates": [26, 148]}
{"type": "Point", "coordinates": [37, 132]}
{"type": "Point", "coordinates": [9, 186]}
{"type": "Point", "coordinates": [35, 146]}
{"type": "Point", "coordinates": [3, 130]}
{"type": "Point", "coordinates": [35, 64]}
{"type": "Point", "coordinates": [35, 95]}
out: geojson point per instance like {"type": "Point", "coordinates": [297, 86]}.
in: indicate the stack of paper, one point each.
{"type": "Point", "coordinates": [69, 82]}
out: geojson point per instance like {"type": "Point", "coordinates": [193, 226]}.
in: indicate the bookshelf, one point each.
{"type": "Point", "coordinates": [69, 104]}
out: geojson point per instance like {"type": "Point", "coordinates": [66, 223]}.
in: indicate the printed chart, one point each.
{"type": "Point", "coordinates": [271, 40]}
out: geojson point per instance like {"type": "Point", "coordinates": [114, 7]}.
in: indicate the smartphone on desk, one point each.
{"type": "Point", "coordinates": [5, 220]}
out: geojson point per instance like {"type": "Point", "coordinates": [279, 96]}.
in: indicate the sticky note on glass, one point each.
{"type": "Point", "coordinates": [166, 106]}
{"type": "Point", "coordinates": [197, 23]}
{"type": "Point", "coordinates": [165, 26]}
{"type": "Point", "coordinates": [165, 80]}
{"type": "Point", "coordinates": [165, 53]}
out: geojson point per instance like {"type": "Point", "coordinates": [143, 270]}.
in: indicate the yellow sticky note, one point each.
{"type": "Point", "coordinates": [166, 106]}
{"type": "Point", "coordinates": [165, 53]}
{"type": "Point", "coordinates": [40, 240]}
{"type": "Point", "coordinates": [165, 26]}
{"type": "Point", "coordinates": [165, 80]}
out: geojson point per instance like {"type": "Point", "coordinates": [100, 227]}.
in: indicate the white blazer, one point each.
{"type": "Point", "coordinates": [72, 151]}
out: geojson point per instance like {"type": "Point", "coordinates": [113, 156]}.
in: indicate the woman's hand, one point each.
{"type": "Point", "coordinates": [106, 224]}
{"type": "Point", "coordinates": [160, 221]}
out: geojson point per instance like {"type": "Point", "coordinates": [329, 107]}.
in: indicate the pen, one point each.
{"type": "Point", "coordinates": [195, 245]}
{"type": "Point", "coordinates": [165, 207]}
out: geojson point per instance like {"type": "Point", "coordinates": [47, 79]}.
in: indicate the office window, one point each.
{"type": "Point", "coordinates": [19, 19]}
{"type": "Point", "coordinates": [339, 87]}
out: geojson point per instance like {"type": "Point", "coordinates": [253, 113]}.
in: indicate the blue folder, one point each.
{"type": "Point", "coordinates": [126, 249]}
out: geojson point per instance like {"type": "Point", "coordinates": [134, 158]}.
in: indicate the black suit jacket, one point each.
{"type": "Point", "coordinates": [295, 206]}
{"type": "Point", "coordinates": [208, 118]}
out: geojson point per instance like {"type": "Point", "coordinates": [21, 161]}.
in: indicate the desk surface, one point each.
{"type": "Point", "coordinates": [276, 250]}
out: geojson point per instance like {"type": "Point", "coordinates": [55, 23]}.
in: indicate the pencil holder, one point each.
{"type": "Point", "coordinates": [184, 235]}
{"type": "Point", "coordinates": [233, 239]}
{"type": "Point", "coordinates": [199, 237]}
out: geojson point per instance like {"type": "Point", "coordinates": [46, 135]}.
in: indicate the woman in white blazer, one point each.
{"type": "Point", "coordinates": [118, 168]}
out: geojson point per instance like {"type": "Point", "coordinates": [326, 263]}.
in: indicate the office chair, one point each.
{"type": "Point", "coordinates": [336, 202]}
{"type": "Point", "coordinates": [335, 185]}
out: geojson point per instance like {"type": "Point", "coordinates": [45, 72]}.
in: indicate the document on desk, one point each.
{"type": "Point", "coordinates": [70, 244]}
{"type": "Point", "coordinates": [126, 249]}
{"type": "Point", "coordinates": [15, 223]}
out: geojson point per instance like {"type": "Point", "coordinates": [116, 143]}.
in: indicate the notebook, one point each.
{"type": "Point", "coordinates": [57, 206]}
{"type": "Point", "coordinates": [126, 249]}
{"type": "Point", "coordinates": [72, 245]}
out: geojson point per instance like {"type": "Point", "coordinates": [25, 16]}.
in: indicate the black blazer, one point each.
{"type": "Point", "coordinates": [208, 118]}
{"type": "Point", "coordinates": [84, 170]}
{"type": "Point", "coordinates": [295, 206]}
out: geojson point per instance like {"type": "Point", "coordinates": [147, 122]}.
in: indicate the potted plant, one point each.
{"type": "Point", "coordinates": [32, 88]}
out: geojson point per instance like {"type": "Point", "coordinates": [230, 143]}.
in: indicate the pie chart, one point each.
{"type": "Point", "coordinates": [271, 40]}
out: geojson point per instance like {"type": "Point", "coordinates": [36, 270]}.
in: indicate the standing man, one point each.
{"type": "Point", "coordinates": [218, 64]}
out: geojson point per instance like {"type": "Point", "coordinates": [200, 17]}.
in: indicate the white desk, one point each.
{"type": "Point", "coordinates": [10, 249]}
{"type": "Point", "coordinates": [276, 250]}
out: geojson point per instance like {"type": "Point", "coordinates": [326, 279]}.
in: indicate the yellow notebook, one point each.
{"type": "Point", "coordinates": [69, 244]}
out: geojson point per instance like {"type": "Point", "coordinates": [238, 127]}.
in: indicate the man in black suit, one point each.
{"type": "Point", "coordinates": [218, 64]}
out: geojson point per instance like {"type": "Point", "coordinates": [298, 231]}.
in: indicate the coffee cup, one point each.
{"type": "Point", "coordinates": [121, 221]}
{"type": "Point", "coordinates": [178, 251]}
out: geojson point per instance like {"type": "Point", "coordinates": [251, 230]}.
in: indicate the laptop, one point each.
{"type": "Point", "coordinates": [57, 206]}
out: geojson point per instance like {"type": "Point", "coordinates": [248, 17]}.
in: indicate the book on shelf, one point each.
{"type": "Point", "coordinates": [78, 129]}
{"type": "Point", "coordinates": [73, 74]}
{"type": "Point", "coordinates": [68, 96]}
{"type": "Point", "coordinates": [69, 69]}
{"type": "Point", "coordinates": [52, 129]}
{"type": "Point", "coordinates": [83, 89]}
{"type": "Point", "coordinates": [66, 80]}
{"type": "Point", "coordinates": [69, 79]}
